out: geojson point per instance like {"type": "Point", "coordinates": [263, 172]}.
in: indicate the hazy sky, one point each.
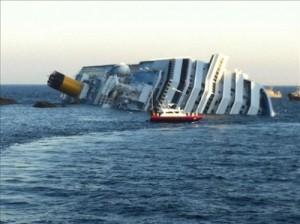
{"type": "Point", "coordinates": [261, 38]}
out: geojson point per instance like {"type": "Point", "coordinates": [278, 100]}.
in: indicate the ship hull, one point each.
{"type": "Point", "coordinates": [193, 85]}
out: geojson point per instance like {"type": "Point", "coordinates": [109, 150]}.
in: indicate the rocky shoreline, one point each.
{"type": "Point", "coordinates": [7, 101]}
{"type": "Point", "coordinates": [44, 104]}
{"type": "Point", "coordinates": [39, 104]}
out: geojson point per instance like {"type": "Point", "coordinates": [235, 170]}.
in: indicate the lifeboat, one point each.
{"type": "Point", "coordinates": [171, 115]}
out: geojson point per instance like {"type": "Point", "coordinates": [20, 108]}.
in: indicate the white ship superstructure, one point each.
{"type": "Point", "coordinates": [195, 86]}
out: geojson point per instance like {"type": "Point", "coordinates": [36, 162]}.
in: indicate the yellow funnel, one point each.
{"type": "Point", "coordinates": [71, 87]}
{"type": "Point", "coordinates": [65, 84]}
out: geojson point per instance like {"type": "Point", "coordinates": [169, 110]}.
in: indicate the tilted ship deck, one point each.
{"type": "Point", "coordinates": [193, 85]}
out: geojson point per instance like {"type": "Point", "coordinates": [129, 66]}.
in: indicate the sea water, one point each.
{"type": "Point", "coordinates": [84, 164]}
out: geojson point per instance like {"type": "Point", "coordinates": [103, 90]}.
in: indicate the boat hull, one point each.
{"type": "Point", "coordinates": [172, 119]}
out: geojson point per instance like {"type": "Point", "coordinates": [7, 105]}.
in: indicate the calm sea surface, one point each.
{"type": "Point", "coordinates": [83, 164]}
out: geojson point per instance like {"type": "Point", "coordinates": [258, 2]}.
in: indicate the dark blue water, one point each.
{"type": "Point", "coordinates": [83, 164]}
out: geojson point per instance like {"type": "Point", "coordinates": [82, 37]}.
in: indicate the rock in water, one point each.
{"type": "Point", "coordinates": [44, 104]}
{"type": "Point", "coordinates": [7, 101]}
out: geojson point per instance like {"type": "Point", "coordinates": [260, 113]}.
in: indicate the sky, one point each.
{"type": "Point", "coordinates": [261, 38]}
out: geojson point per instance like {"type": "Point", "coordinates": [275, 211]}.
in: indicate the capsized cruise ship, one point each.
{"type": "Point", "coordinates": [193, 85]}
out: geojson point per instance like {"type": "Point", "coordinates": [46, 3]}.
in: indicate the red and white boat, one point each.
{"type": "Point", "coordinates": [174, 115]}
